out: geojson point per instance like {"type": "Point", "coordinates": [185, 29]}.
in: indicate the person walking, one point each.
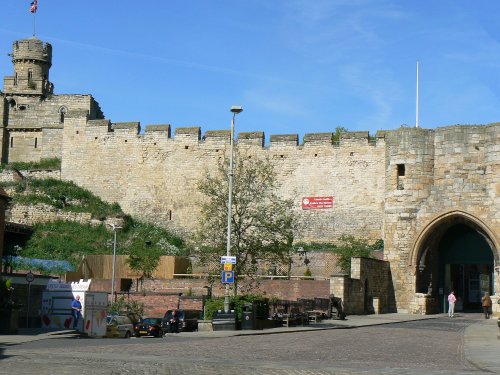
{"type": "Point", "coordinates": [76, 310]}
{"type": "Point", "coordinates": [486, 303]}
{"type": "Point", "coordinates": [173, 324]}
{"type": "Point", "coordinates": [451, 304]}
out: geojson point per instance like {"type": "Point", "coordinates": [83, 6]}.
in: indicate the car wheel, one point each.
{"type": "Point", "coordinates": [127, 335]}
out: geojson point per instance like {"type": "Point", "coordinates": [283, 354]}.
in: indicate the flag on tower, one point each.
{"type": "Point", "coordinates": [34, 6]}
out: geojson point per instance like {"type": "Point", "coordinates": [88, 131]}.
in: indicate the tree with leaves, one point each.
{"type": "Point", "coordinates": [146, 245]}
{"type": "Point", "coordinates": [338, 133]}
{"type": "Point", "coordinates": [262, 222]}
{"type": "Point", "coordinates": [350, 246]}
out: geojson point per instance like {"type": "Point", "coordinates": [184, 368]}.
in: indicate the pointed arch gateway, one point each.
{"type": "Point", "coordinates": [455, 251]}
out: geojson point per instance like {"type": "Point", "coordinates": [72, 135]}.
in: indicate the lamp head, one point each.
{"type": "Point", "coordinates": [236, 109]}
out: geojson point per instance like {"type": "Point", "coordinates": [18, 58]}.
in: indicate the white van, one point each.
{"type": "Point", "coordinates": [119, 326]}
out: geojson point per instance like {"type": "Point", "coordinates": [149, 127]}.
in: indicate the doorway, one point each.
{"type": "Point", "coordinates": [466, 264]}
{"type": "Point", "coordinates": [456, 255]}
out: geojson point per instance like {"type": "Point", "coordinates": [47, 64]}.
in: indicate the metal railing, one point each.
{"type": "Point", "coordinates": [271, 277]}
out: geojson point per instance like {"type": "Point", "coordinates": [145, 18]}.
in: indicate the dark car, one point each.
{"type": "Point", "coordinates": [183, 320]}
{"type": "Point", "coordinates": [149, 327]}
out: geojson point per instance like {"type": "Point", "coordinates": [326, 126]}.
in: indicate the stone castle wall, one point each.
{"type": "Point", "coordinates": [392, 188]}
{"type": "Point", "coordinates": [367, 289]}
{"type": "Point", "coordinates": [407, 187]}
{"type": "Point", "coordinates": [32, 60]}
{"type": "Point", "coordinates": [33, 126]}
{"type": "Point", "coordinates": [32, 117]}
{"type": "Point", "coordinates": [451, 176]}
{"type": "Point", "coordinates": [42, 213]}
{"type": "Point", "coordinates": [154, 176]}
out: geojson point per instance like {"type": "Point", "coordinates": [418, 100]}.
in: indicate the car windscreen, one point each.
{"type": "Point", "coordinates": [192, 314]}
{"type": "Point", "coordinates": [152, 321]}
{"type": "Point", "coordinates": [169, 314]}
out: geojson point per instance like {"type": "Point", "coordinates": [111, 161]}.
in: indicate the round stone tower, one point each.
{"type": "Point", "coordinates": [32, 60]}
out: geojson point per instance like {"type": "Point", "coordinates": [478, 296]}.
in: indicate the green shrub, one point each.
{"type": "Point", "coordinates": [65, 240]}
{"type": "Point", "coordinates": [237, 302]}
{"type": "Point", "coordinates": [6, 294]}
{"type": "Point", "coordinates": [348, 247]}
{"type": "Point", "coordinates": [212, 305]}
{"type": "Point", "coordinates": [307, 272]}
{"type": "Point", "coordinates": [133, 309]}
{"type": "Point", "coordinates": [52, 164]}
{"type": "Point", "coordinates": [352, 247]}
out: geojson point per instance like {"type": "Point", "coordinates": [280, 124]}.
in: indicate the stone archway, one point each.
{"type": "Point", "coordinates": [455, 251]}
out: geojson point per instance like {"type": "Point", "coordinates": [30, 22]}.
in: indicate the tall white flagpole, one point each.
{"type": "Point", "coordinates": [416, 117]}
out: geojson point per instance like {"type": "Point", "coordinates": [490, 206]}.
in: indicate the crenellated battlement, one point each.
{"type": "Point", "coordinates": [95, 123]}
{"type": "Point", "coordinates": [284, 140]}
{"type": "Point", "coordinates": [133, 127]}
{"type": "Point", "coordinates": [194, 135]}
{"type": "Point", "coordinates": [161, 129]}
{"type": "Point", "coordinates": [32, 49]}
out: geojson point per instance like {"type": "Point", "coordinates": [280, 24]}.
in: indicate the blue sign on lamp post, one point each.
{"type": "Point", "coordinates": [227, 277]}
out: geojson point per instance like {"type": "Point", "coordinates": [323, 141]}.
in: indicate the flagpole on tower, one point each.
{"type": "Point", "coordinates": [33, 8]}
{"type": "Point", "coordinates": [416, 116]}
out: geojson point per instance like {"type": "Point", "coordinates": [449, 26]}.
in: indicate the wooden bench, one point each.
{"type": "Point", "coordinates": [314, 316]}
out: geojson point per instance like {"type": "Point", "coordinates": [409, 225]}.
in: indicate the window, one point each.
{"type": "Point", "coordinates": [15, 79]}
{"type": "Point", "coordinates": [401, 176]}
{"type": "Point", "coordinates": [11, 142]}
{"type": "Point", "coordinates": [36, 142]}
{"type": "Point", "coordinates": [30, 75]}
{"type": "Point", "coordinates": [401, 170]}
{"type": "Point", "coordinates": [62, 114]}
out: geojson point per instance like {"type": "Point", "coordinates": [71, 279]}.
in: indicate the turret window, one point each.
{"type": "Point", "coordinates": [401, 176]}
{"type": "Point", "coordinates": [401, 170]}
{"type": "Point", "coordinates": [15, 79]}
{"type": "Point", "coordinates": [62, 114]}
{"type": "Point", "coordinates": [30, 75]}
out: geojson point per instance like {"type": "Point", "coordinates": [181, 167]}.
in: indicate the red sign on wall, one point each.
{"type": "Point", "coordinates": [314, 203]}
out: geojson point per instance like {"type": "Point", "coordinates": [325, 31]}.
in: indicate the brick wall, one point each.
{"type": "Point", "coordinates": [156, 304]}
{"type": "Point", "coordinates": [161, 295]}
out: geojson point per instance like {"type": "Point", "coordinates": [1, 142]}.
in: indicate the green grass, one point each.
{"type": "Point", "coordinates": [64, 195]}
{"type": "Point", "coordinates": [65, 240]}
{"type": "Point", "coordinates": [54, 163]}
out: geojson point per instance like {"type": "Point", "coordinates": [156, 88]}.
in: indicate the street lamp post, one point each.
{"type": "Point", "coordinates": [115, 229]}
{"type": "Point", "coordinates": [235, 110]}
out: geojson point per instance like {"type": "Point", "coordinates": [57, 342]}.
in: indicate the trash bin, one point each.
{"type": "Point", "coordinates": [248, 316]}
{"type": "Point", "coordinates": [222, 321]}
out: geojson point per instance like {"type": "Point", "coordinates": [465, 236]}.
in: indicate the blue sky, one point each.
{"type": "Point", "coordinates": [296, 66]}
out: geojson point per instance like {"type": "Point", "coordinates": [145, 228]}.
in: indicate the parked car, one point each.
{"type": "Point", "coordinates": [119, 326]}
{"type": "Point", "coordinates": [187, 320]}
{"type": "Point", "coordinates": [149, 327]}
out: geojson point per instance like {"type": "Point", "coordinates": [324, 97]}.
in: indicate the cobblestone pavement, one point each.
{"type": "Point", "coordinates": [421, 347]}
